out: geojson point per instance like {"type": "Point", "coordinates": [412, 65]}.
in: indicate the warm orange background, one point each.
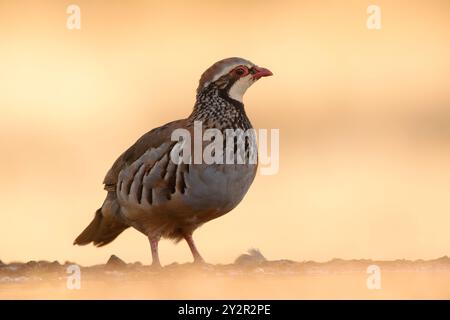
{"type": "Point", "coordinates": [364, 118]}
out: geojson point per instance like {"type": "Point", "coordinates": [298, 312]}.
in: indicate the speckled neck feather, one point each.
{"type": "Point", "coordinates": [217, 110]}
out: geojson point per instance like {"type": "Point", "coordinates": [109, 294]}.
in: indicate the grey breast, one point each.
{"type": "Point", "coordinates": [153, 185]}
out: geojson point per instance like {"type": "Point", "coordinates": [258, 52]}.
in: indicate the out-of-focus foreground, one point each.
{"type": "Point", "coordinates": [250, 277]}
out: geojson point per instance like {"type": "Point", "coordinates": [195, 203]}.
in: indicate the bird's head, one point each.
{"type": "Point", "coordinates": [232, 76]}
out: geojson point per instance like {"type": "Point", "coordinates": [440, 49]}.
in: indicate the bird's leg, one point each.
{"type": "Point", "coordinates": [190, 241]}
{"type": "Point", "coordinates": [154, 246]}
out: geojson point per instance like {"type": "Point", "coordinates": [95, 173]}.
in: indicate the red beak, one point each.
{"type": "Point", "coordinates": [261, 72]}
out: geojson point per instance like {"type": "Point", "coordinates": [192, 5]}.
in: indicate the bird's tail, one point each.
{"type": "Point", "coordinates": [101, 231]}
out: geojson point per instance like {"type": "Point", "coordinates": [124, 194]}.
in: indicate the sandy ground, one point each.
{"type": "Point", "coordinates": [248, 278]}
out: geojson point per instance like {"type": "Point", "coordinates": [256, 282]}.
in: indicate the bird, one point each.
{"type": "Point", "coordinates": [148, 191]}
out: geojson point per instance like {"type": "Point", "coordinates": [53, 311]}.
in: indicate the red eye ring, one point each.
{"type": "Point", "coordinates": [241, 71]}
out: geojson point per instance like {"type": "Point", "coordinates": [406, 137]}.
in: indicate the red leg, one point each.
{"type": "Point", "coordinates": [155, 256]}
{"type": "Point", "coordinates": [190, 241]}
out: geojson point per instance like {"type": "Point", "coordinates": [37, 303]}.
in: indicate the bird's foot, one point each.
{"type": "Point", "coordinates": [199, 261]}
{"type": "Point", "coordinates": [156, 266]}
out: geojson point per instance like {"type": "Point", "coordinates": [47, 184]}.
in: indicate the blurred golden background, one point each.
{"type": "Point", "coordinates": [364, 119]}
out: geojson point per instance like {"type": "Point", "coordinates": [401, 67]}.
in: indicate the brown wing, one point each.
{"type": "Point", "coordinates": [151, 139]}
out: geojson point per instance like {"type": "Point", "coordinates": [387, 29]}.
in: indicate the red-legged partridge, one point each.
{"type": "Point", "coordinates": [147, 190]}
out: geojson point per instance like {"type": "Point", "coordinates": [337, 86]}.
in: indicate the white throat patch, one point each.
{"type": "Point", "coordinates": [238, 88]}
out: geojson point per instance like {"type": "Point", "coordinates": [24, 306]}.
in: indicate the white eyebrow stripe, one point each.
{"type": "Point", "coordinates": [226, 70]}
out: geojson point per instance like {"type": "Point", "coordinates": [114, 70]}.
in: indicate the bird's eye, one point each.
{"type": "Point", "coordinates": [240, 71]}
